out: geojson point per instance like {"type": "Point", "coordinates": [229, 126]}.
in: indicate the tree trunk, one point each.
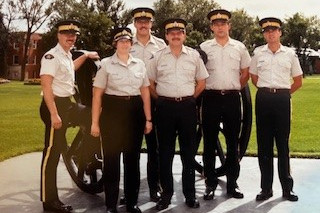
{"type": "Point", "coordinates": [24, 74]}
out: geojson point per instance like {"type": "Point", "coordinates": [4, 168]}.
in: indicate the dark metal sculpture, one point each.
{"type": "Point", "coordinates": [82, 156]}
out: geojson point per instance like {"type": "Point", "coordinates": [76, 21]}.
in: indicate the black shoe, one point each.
{"type": "Point", "coordinates": [193, 203]}
{"type": "Point", "coordinates": [56, 206]}
{"type": "Point", "coordinates": [162, 204]}
{"type": "Point", "coordinates": [133, 209]}
{"type": "Point", "coordinates": [264, 195]}
{"type": "Point", "coordinates": [122, 200]}
{"type": "Point", "coordinates": [154, 196]}
{"type": "Point", "coordinates": [290, 195]}
{"type": "Point", "coordinates": [112, 210]}
{"type": "Point", "coordinates": [209, 193]}
{"type": "Point", "coordinates": [235, 193]}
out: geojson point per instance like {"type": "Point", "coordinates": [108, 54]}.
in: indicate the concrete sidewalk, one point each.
{"type": "Point", "coordinates": [20, 179]}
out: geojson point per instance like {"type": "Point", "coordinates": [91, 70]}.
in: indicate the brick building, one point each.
{"type": "Point", "coordinates": [15, 55]}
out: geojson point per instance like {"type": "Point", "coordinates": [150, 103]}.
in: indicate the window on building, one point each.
{"type": "Point", "coordinates": [34, 44]}
{"type": "Point", "coordinates": [15, 46]}
{"type": "Point", "coordinates": [15, 60]}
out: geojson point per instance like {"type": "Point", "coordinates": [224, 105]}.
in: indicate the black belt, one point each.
{"type": "Point", "coordinates": [221, 92]}
{"type": "Point", "coordinates": [273, 90]}
{"type": "Point", "coordinates": [126, 97]}
{"type": "Point", "coordinates": [178, 99]}
{"type": "Point", "coordinates": [62, 98]}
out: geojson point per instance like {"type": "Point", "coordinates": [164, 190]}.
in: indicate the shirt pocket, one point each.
{"type": "Point", "coordinates": [284, 65]}
{"type": "Point", "coordinates": [116, 78]}
{"type": "Point", "coordinates": [138, 77]}
{"type": "Point", "coordinates": [235, 61]}
{"type": "Point", "coordinates": [263, 64]}
{"type": "Point", "coordinates": [66, 71]}
{"type": "Point", "coordinates": [188, 72]}
{"type": "Point", "coordinates": [211, 61]}
{"type": "Point", "coordinates": [164, 70]}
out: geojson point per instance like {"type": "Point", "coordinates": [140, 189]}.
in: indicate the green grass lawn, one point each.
{"type": "Point", "coordinates": [22, 131]}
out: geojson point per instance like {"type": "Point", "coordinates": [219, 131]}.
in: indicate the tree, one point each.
{"type": "Point", "coordinates": [5, 26]}
{"type": "Point", "coordinates": [95, 26]}
{"type": "Point", "coordinates": [35, 13]}
{"type": "Point", "coordinates": [244, 28]}
{"type": "Point", "coordinates": [192, 11]}
{"type": "Point", "coordinates": [114, 9]}
{"type": "Point", "coordinates": [313, 33]}
{"type": "Point", "coordinates": [164, 9]}
{"type": "Point", "coordinates": [195, 13]}
{"type": "Point", "coordinates": [295, 31]}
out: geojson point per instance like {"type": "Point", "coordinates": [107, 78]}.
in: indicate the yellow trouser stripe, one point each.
{"type": "Point", "coordinates": [45, 161]}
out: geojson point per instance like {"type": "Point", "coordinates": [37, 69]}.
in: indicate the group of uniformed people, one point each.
{"type": "Point", "coordinates": [150, 88]}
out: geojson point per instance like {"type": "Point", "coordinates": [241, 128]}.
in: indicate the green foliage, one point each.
{"type": "Point", "coordinates": [164, 9]}
{"type": "Point", "coordinates": [295, 30]}
{"type": "Point", "coordinates": [192, 11]}
{"type": "Point", "coordinates": [95, 26]}
{"type": "Point", "coordinates": [242, 28]}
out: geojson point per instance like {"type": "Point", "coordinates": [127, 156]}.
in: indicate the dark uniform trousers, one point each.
{"type": "Point", "coordinates": [122, 124]}
{"type": "Point", "coordinates": [153, 154]}
{"type": "Point", "coordinates": [55, 141]}
{"type": "Point", "coordinates": [217, 108]}
{"type": "Point", "coordinates": [177, 118]}
{"type": "Point", "coordinates": [273, 114]}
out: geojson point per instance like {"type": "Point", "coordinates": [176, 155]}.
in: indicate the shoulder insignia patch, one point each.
{"type": "Point", "coordinates": [48, 56]}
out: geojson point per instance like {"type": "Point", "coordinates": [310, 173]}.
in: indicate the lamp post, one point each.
{"type": "Point", "coordinates": [304, 57]}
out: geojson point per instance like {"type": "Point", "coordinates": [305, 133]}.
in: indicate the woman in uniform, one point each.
{"type": "Point", "coordinates": [121, 115]}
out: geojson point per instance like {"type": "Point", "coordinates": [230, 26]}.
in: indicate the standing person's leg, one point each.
{"type": "Point", "coordinates": [187, 122]}
{"type": "Point", "coordinates": [55, 142]}
{"type": "Point", "coordinates": [231, 127]}
{"type": "Point", "coordinates": [131, 153]}
{"type": "Point", "coordinates": [265, 140]}
{"type": "Point", "coordinates": [153, 159]}
{"type": "Point", "coordinates": [112, 123]}
{"type": "Point", "coordinates": [166, 131]}
{"type": "Point", "coordinates": [210, 124]}
{"type": "Point", "coordinates": [283, 123]}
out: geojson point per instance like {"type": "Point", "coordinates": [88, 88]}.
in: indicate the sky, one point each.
{"type": "Point", "coordinates": [261, 8]}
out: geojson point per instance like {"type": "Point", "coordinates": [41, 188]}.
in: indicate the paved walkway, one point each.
{"type": "Point", "coordinates": [20, 178]}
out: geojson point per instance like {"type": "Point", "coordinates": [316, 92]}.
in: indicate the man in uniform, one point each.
{"type": "Point", "coordinates": [228, 68]}
{"type": "Point", "coordinates": [177, 76]}
{"type": "Point", "coordinates": [144, 46]}
{"type": "Point", "coordinates": [272, 69]}
{"type": "Point", "coordinates": [56, 110]}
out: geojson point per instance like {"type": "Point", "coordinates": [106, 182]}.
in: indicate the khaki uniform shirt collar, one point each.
{"type": "Point", "coordinates": [266, 48]}
{"type": "Point", "coordinates": [59, 47]}
{"type": "Point", "coordinates": [136, 41]}
{"type": "Point", "coordinates": [168, 50]}
{"type": "Point", "coordinates": [230, 42]}
{"type": "Point", "coordinates": [116, 60]}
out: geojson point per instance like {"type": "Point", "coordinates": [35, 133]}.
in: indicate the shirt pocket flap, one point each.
{"type": "Point", "coordinates": [285, 64]}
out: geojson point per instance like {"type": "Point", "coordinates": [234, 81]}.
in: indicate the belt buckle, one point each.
{"type": "Point", "coordinates": [273, 90]}
{"type": "Point", "coordinates": [127, 98]}
{"type": "Point", "coordinates": [178, 99]}
{"type": "Point", "coordinates": [222, 92]}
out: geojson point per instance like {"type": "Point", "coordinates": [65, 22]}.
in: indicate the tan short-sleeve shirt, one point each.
{"type": "Point", "coordinates": [275, 70]}
{"type": "Point", "coordinates": [146, 52]}
{"type": "Point", "coordinates": [225, 63]}
{"type": "Point", "coordinates": [120, 79]}
{"type": "Point", "coordinates": [59, 64]}
{"type": "Point", "coordinates": [176, 76]}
